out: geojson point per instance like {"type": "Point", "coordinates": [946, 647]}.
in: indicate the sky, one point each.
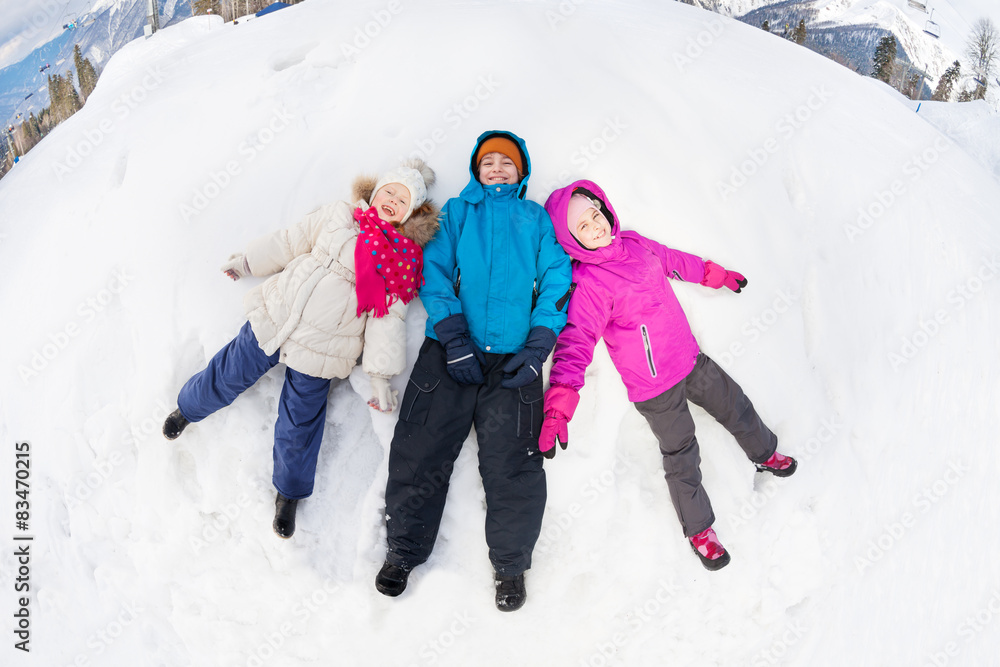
{"type": "Point", "coordinates": [27, 24]}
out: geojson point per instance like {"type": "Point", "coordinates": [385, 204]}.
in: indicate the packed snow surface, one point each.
{"type": "Point", "coordinates": [866, 338]}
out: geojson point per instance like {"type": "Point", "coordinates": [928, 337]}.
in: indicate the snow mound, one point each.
{"type": "Point", "coordinates": [865, 339]}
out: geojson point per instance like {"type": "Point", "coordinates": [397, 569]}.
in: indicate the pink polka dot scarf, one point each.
{"type": "Point", "coordinates": [388, 266]}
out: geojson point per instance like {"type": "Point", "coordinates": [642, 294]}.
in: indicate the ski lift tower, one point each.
{"type": "Point", "coordinates": [152, 16]}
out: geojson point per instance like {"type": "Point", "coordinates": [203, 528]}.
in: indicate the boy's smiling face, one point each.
{"type": "Point", "coordinates": [593, 230]}
{"type": "Point", "coordinates": [497, 169]}
{"type": "Point", "coordinates": [391, 202]}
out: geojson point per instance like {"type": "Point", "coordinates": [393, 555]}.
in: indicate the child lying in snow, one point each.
{"type": "Point", "coordinates": [623, 295]}
{"type": "Point", "coordinates": [342, 279]}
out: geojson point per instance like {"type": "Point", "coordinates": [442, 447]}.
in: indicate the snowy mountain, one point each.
{"type": "Point", "coordinates": [866, 338]}
{"type": "Point", "coordinates": [23, 85]}
{"type": "Point", "coordinates": [852, 28]}
{"type": "Point", "coordinates": [107, 27]}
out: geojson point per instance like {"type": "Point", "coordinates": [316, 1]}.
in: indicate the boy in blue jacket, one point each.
{"type": "Point", "coordinates": [497, 283]}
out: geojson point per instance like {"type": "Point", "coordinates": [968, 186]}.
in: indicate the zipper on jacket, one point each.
{"type": "Point", "coordinates": [649, 350]}
{"type": "Point", "coordinates": [534, 295]}
{"type": "Point", "coordinates": [565, 297]}
{"type": "Point", "coordinates": [458, 281]}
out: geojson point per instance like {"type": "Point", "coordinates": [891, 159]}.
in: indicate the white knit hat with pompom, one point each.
{"type": "Point", "coordinates": [415, 175]}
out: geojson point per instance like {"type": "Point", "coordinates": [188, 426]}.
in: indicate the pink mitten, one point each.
{"type": "Point", "coordinates": [560, 404]}
{"type": "Point", "coordinates": [716, 277]}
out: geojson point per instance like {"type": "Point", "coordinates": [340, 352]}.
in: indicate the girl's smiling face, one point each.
{"type": "Point", "coordinates": [391, 202]}
{"type": "Point", "coordinates": [497, 169]}
{"type": "Point", "coordinates": [593, 230]}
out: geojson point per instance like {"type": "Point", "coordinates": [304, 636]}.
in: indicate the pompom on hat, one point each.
{"type": "Point", "coordinates": [415, 176]}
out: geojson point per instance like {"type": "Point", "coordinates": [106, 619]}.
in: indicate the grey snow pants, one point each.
{"type": "Point", "coordinates": [709, 387]}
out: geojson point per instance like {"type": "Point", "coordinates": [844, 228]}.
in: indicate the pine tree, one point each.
{"type": "Point", "coordinates": [201, 7]}
{"type": "Point", "coordinates": [55, 101]}
{"type": "Point", "coordinates": [884, 62]}
{"type": "Point", "coordinates": [947, 82]}
{"type": "Point", "coordinates": [70, 95]}
{"type": "Point", "coordinates": [799, 35]}
{"type": "Point", "coordinates": [86, 75]}
{"type": "Point", "coordinates": [766, 26]}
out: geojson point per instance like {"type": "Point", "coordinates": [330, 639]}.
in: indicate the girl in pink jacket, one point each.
{"type": "Point", "coordinates": [623, 295]}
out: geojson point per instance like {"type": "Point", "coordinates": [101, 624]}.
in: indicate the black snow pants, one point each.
{"type": "Point", "coordinates": [436, 416]}
{"type": "Point", "coordinates": [709, 387]}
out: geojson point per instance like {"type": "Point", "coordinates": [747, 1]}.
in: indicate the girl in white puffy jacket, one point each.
{"type": "Point", "coordinates": [340, 283]}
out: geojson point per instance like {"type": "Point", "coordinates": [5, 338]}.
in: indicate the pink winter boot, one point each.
{"type": "Point", "coordinates": [778, 465]}
{"type": "Point", "coordinates": [711, 552]}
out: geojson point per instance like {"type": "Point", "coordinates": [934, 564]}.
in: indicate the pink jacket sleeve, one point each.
{"type": "Point", "coordinates": [588, 315]}
{"type": "Point", "coordinates": [676, 264]}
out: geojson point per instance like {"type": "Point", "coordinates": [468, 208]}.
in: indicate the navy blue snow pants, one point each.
{"type": "Point", "coordinates": [298, 432]}
{"type": "Point", "coordinates": [435, 418]}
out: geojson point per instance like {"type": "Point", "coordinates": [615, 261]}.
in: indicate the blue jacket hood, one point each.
{"type": "Point", "coordinates": [473, 192]}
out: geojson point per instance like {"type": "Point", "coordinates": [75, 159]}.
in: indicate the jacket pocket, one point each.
{"type": "Point", "coordinates": [529, 409]}
{"type": "Point", "coordinates": [418, 396]}
{"type": "Point", "coordinates": [648, 346]}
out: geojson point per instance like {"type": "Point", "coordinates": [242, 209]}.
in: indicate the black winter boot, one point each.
{"type": "Point", "coordinates": [511, 595]}
{"type": "Point", "coordinates": [391, 579]}
{"type": "Point", "coordinates": [174, 425]}
{"type": "Point", "coordinates": [284, 516]}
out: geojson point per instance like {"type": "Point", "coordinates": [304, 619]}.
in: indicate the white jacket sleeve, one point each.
{"type": "Point", "coordinates": [385, 343]}
{"type": "Point", "coordinates": [272, 252]}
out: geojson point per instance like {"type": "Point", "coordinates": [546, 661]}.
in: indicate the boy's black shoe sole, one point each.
{"type": "Point", "coordinates": [284, 516]}
{"type": "Point", "coordinates": [174, 425]}
{"type": "Point", "coordinates": [391, 579]}
{"type": "Point", "coordinates": [511, 594]}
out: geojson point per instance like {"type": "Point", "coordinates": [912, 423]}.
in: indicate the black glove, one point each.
{"type": "Point", "coordinates": [464, 358]}
{"type": "Point", "coordinates": [526, 365]}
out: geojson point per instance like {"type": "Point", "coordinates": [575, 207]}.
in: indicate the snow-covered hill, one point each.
{"type": "Point", "coordinates": [866, 338]}
{"type": "Point", "coordinates": [850, 28]}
